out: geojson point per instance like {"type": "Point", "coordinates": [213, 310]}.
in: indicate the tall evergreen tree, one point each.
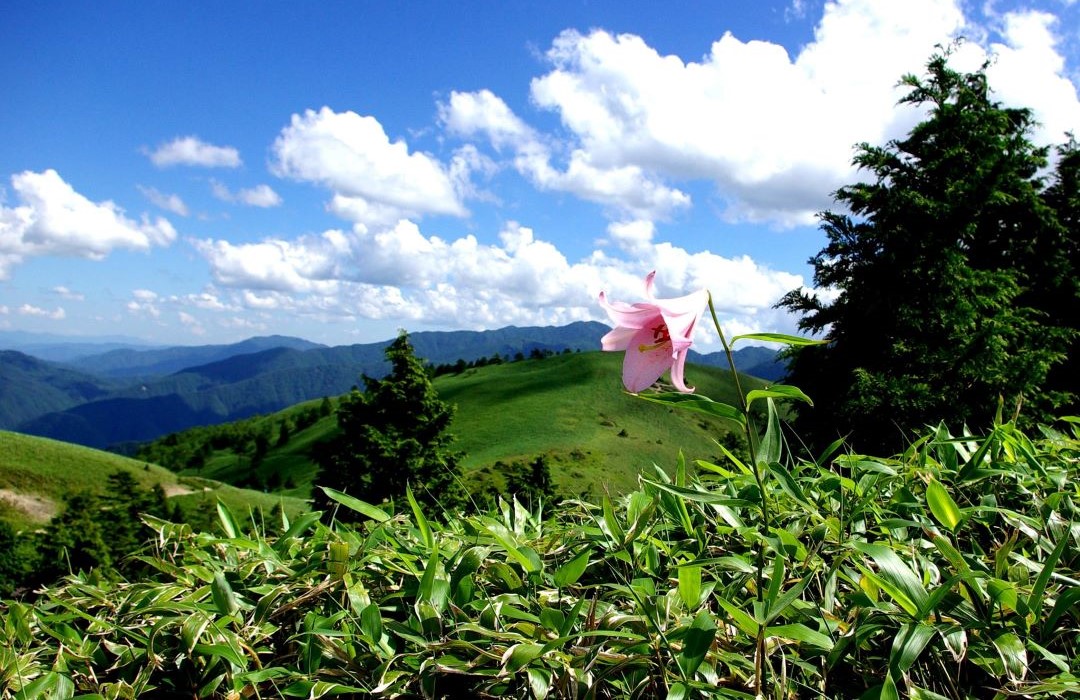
{"type": "Point", "coordinates": [949, 274]}
{"type": "Point", "coordinates": [391, 434]}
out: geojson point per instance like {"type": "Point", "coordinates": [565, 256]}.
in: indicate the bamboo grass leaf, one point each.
{"type": "Point", "coordinates": [899, 580]}
{"type": "Point", "coordinates": [1013, 654]}
{"type": "Point", "coordinates": [222, 593]}
{"type": "Point", "coordinates": [520, 655]}
{"type": "Point", "coordinates": [770, 448]}
{"type": "Point", "coordinates": [788, 484]}
{"type": "Point", "coordinates": [352, 503]}
{"type": "Point", "coordinates": [1034, 601]}
{"type": "Point", "coordinates": [803, 634]}
{"type": "Point", "coordinates": [942, 506]}
{"type": "Point", "coordinates": [908, 645]}
{"type": "Point", "coordinates": [696, 644]}
{"type": "Point", "coordinates": [746, 624]}
{"type": "Point", "coordinates": [228, 523]}
{"type": "Point", "coordinates": [781, 603]}
{"type": "Point", "coordinates": [611, 523]}
{"type": "Point", "coordinates": [569, 573]}
{"type": "Point", "coordinates": [421, 522]}
{"type": "Point", "coordinates": [690, 586]}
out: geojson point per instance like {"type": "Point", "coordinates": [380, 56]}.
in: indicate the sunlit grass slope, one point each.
{"type": "Point", "coordinates": [569, 408]}
{"type": "Point", "coordinates": [36, 474]}
{"type": "Point", "coordinates": [572, 409]}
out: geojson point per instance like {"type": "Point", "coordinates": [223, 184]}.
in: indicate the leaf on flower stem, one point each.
{"type": "Point", "coordinates": [770, 447]}
{"type": "Point", "coordinates": [793, 340]}
{"type": "Point", "coordinates": [777, 391]}
{"type": "Point", "coordinates": [696, 402]}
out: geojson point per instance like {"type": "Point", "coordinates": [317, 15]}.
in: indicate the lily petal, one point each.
{"type": "Point", "coordinates": [618, 338]}
{"type": "Point", "coordinates": [677, 379]}
{"type": "Point", "coordinates": [682, 313]}
{"type": "Point", "coordinates": [645, 361]}
{"type": "Point", "coordinates": [629, 316]}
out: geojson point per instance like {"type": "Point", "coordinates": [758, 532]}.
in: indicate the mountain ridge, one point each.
{"type": "Point", "coordinates": [256, 376]}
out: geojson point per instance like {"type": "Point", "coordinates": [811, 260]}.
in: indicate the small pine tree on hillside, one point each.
{"type": "Point", "coordinates": [391, 434]}
{"type": "Point", "coordinates": [531, 483]}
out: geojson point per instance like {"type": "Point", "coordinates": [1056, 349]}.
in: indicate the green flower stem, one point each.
{"type": "Point", "coordinates": [752, 444]}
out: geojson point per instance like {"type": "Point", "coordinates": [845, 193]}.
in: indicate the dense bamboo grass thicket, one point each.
{"type": "Point", "coordinates": [952, 570]}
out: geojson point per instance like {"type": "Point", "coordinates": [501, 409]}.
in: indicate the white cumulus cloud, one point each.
{"type": "Point", "coordinates": [773, 133]}
{"type": "Point", "coordinates": [66, 293]}
{"type": "Point", "coordinates": [191, 150]}
{"type": "Point", "coordinates": [259, 196]}
{"type": "Point", "coordinates": [625, 189]}
{"type": "Point", "coordinates": [399, 272]}
{"type": "Point", "coordinates": [54, 219]}
{"type": "Point", "coordinates": [168, 202]}
{"type": "Point", "coordinates": [374, 179]}
{"type": "Point", "coordinates": [57, 314]}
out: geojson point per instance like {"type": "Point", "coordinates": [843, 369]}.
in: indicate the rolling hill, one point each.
{"type": "Point", "coordinates": [569, 408]}
{"type": "Point", "coordinates": [36, 474]}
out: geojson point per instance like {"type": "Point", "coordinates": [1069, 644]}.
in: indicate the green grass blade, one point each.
{"type": "Point", "coordinates": [421, 522]}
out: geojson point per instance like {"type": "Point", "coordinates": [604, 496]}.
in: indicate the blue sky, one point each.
{"type": "Point", "coordinates": [205, 172]}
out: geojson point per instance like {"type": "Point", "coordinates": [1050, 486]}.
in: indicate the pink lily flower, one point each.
{"type": "Point", "coordinates": [655, 335]}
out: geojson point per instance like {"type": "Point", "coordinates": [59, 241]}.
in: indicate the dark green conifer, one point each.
{"type": "Point", "coordinates": [391, 434]}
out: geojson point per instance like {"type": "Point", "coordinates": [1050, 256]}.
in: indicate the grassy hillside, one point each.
{"type": "Point", "coordinates": [569, 408]}
{"type": "Point", "coordinates": [36, 474]}
{"type": "Point", "coordinates": [573, 409]}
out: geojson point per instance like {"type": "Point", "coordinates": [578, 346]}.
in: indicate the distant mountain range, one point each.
{"type": "Point", "coordinates": [126, 394]}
